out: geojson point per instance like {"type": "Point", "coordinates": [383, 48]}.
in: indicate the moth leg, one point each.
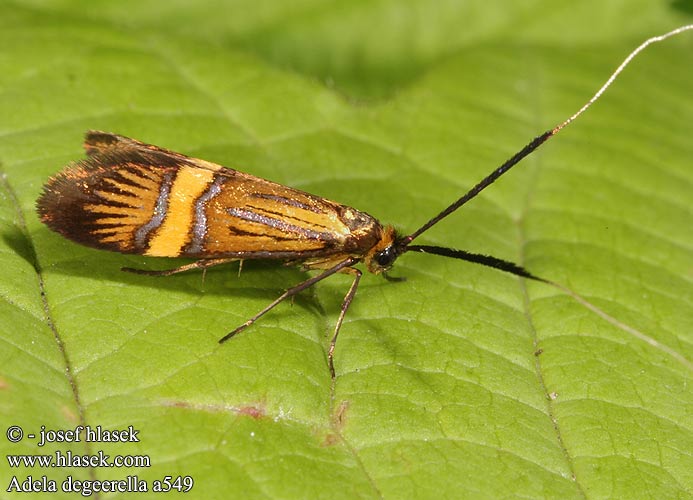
{"type": "Point", "coordinates": [290, 293]}
{"type": "Point", "coordinates": [394, 279]}
{"type": "Point", "coordinates": [198, 264]}
{"type": "Point", "coordinates": [345, 306]}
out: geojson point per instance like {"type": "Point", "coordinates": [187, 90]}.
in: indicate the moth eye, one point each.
{"type": "Point", "coordinates": [386, 257]}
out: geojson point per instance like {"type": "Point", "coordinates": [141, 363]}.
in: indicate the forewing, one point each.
{"type": "Point", "coordinates": [137, 198]}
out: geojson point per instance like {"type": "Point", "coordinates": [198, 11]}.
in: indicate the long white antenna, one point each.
{"type": "Point", "coordinates": [536, 142]}
{"type": "Point", "coordinates": [618, 71]}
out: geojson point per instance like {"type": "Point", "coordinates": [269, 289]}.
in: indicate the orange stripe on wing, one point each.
{"type": "Point", "coordinates": [174, 233]}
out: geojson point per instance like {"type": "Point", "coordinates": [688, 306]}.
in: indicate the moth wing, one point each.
{"type": "Point", "coordinates": [133, 197]}
{"type": "Point", "coordinates": [276, 221]}
{"type": "Point", "coordinates": [105, 200]}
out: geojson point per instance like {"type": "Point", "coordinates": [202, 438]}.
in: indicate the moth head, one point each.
{"type": "Point", "coordinates": [383, 254]}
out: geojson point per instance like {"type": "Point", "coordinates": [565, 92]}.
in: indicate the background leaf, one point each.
{"type": "Point", "coordinates": [395, 109]}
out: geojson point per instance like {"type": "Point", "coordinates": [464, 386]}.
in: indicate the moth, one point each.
{"type": "Point", "coordinates": [137, 198]}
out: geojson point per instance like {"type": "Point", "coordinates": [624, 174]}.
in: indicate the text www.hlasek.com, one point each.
{"type": "Point", "coordinates": [69, 459]}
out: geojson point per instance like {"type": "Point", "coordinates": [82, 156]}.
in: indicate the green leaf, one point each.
{"type": "Point", "coordinates": [460, 382]}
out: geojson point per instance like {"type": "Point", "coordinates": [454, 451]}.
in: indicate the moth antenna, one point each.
{"type": "Point", "coordinates": [477, 258]}
{"type": "Point", "coordinates": [537, 141]}
{"type": "Point", "coordinates": [618, 71]}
